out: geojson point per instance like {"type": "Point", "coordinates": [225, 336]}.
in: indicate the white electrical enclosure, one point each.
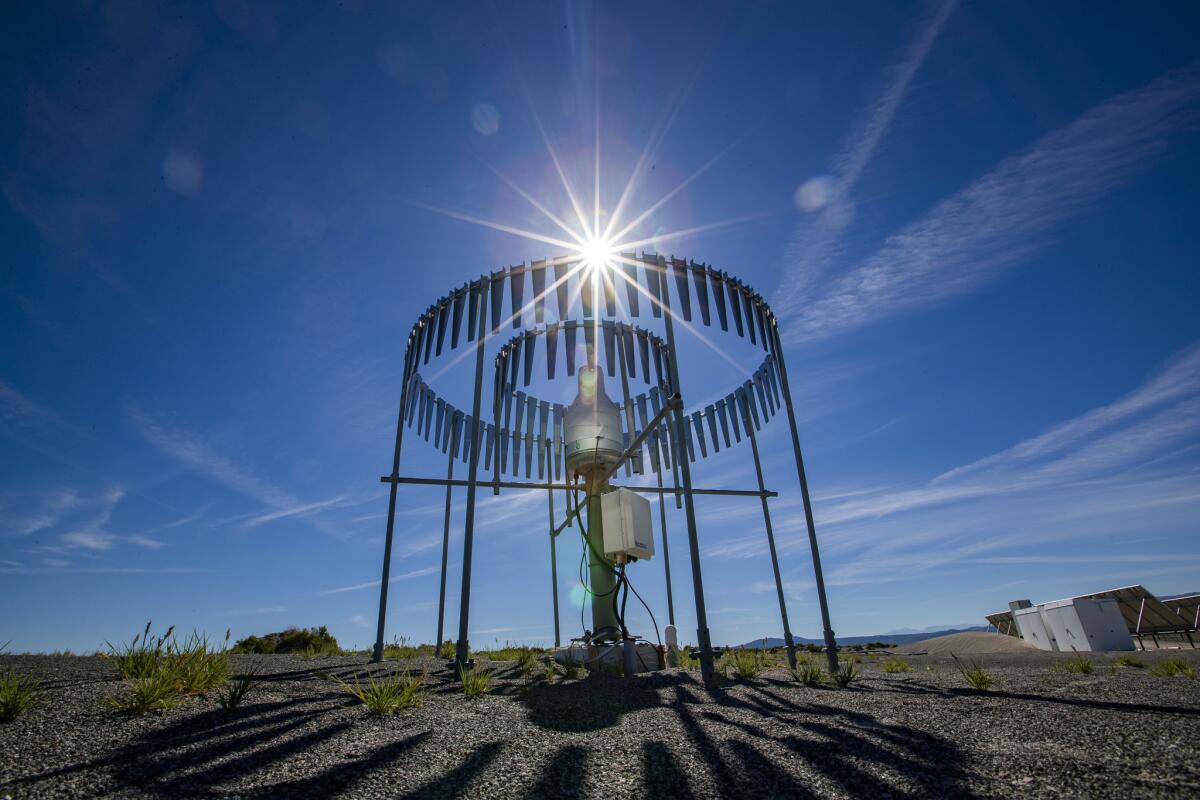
{"type": "Point", "coordinates": [626, 521]}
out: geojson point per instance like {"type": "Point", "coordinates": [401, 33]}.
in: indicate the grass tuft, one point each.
{"type": "Point", "coordinates": [387, 695]}
{"type": "Point", "coordinates": [1079, 664]}
{"type": "Point", "coordinates": [1173, 667]}
{"type": "Point", "coordinates": [1128, 661]}
{"type": "Point", "coordinates": [17, 693]}
{"type": "Point", "coordinates": [160, 670]}
{"type": "Point", "coordinates": [976, 675]}
{"type": "Point", "coordinates": [745, 663]}
{"type": "Point", "coordinates": [809, 674]}
{"type": "Point", "coordinates": [894, 665]}
{"type": "Point", "coordinates": [571, 670]}
{"type": "Point", "coordinates": [236, 691]}
{"type": "Point", "coordinates": [475, 682]}
{"type": "Point", "coordinates": [845, 676]}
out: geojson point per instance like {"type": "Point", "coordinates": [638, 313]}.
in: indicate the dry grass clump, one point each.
{"type": "Point", "coordinates": [845, 676]}
{"type": "Point", "coordinates": [976, 675]}
{"type": "Point", "coordinates": [1173, 667]}
{"type": "Point", "coordinates": [475, 682]}
{"type": "Point", "coordinates": [161, 671]}
{"type": "Point", "coordinates": [17, 693]}
{"type": "Point", "coordinates": [1079, 664]}
{"type": "Point", "coordinates": [807, 673]}
{"type": "Point", "coordinates": [746, 664]}
{"type": "Point", "coordinates": [236, 691]}
{"type": "Point", "coordinates": [896, 665]}
{"type": "Point", "coordinates": [387, 695]}
{"type": "Point", "coordinates": [1128, 661]}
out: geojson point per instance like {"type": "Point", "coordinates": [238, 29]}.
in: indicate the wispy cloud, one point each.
{"type": "Point", "coordinates": [192, 451]}
{"type": "Point", "coordinates": [1008, 214]}
{"type": "Point", "coordinates": [815, 242]}
{"type": "Point", "coordinates": [1087, 477]}
{"type": "Point", "coordinates": [416, 573]}
{"type": "Point", "coordinates": [25, 513]}
{"type": "Point", "coordinates": [301, 510]}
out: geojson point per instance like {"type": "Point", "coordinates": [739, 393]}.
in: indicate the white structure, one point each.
{"type": "Point", "coordinates": [627, 530]}
{"type": "Point", "coordinates": [1081, 624]}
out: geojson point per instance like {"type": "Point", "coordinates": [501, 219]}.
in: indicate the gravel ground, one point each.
{"type": "Point", "coordinates": [1039, 732]}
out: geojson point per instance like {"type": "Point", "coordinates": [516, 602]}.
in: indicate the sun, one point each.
{"type": "Point", "coordinates": [597, 252]}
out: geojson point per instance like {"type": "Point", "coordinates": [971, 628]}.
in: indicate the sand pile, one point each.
{"type": "Point", "coordinates": [968, 643]}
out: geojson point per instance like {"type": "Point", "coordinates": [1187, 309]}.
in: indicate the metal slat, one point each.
{"type": "Point", "coordinates": [551, 349]}
{"type": "Point", "coordinates": [529, 344]}
{"type": "Point", "coordinates": [718, 293]}
{"type": "Point", "coordinates": [698, 278]}
{"type": "Point", "coordinates": [516, 289]}
{"type": "Point", "coordinates": [735, 305]}
{"type": "Point", "coordinates": [652, 283]}
{"type": "Point", "coordinates": [631, 283]}
{"type": "Point", "coordinates": [561, 270]}
{"type": "Point", "coordinates": [679, 270]}
{"type": "Point", "coordinates": [537, 277]}
{"type": "Point", "coordinates": [456, 316]}
{"type": "Point", "coordinates": [610, 349]}
{"type": "Point", "coordinates": [569, 327]}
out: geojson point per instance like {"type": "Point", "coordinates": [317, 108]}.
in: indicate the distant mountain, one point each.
{"type": "Point", "coordinates": [886, 638]}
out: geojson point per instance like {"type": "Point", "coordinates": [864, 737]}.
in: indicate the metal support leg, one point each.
{"type": "Point", "coordinates": [462, 648]}
{"type": "Point", "coordinates": [702, 635]}
{"type": "Point", "coordinates": [787, 630]}
{"type": "Point", "coordinates": [662, 518]}
{"type": "Point", "coordinates": [409, 367]}
{"type": "Point", "coordinates": [553, 551]}
{"type": "Point", "coordinates": [830, 640]}
{"type": "Point", "coordinates": [437, 643]}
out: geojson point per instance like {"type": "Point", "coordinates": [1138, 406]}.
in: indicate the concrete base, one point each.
{"type": "Point", "coordinates": [644, 657]}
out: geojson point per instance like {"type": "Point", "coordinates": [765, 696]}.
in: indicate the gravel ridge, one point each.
{"type": "Point", "coordinates": [1040, 732]}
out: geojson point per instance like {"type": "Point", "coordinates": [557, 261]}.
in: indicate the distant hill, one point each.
{"type": "Point", "coordinates": [886, 638]}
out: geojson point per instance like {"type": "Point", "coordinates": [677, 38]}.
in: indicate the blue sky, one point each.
{"type": "Point", "coordinates": [976, 223]}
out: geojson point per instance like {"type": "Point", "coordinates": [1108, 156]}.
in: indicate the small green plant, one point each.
{"type": "Point", "coordinates": [292, 640]}
{"type": "Point", "coordinates": [387, 695]}
{"type": "Point", "coordinates": [807, 673]}
{"type": "Point", "coordinates": [527, 660]}
{"type": "Point", "coordinates": [446, 650]}
{"type": "Point", "coordinates": [976, 675]}
{"type": "Point", "coordinates": [17, 694]}
{"type": "Point", "coordinates": [1173, 667]}
{"type": "Point", "coordinates": [157, 691]}
{"type": "Point", "coordinates": [142, 656]}
{"type": "Point", "coordinates": [475, 682]}
{"type": "Point", "coordinates": [856, 659]}
{"type": "Point", "coordinates": [571, 670]}
{"type": "Point", "coordinates": [745, 663]}
{"type": "Point", "coordinates": [1128, 661]}
{"type": "Point", "coordinates": [845, 676]}
{"type": "Point", "coordinates": [895, 665]}
{"type": "Point", "coordinates": [549, 671]}
{"type": "Point", "coordinates": [236, 691]}
{"type": "Point", "coordinates": [687, 660]}
{"type": "Point", "coordinates": [1079, 664]}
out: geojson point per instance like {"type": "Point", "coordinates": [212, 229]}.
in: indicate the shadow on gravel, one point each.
{"type": "Point", "coordinates": [1082, 702]}
{"type": "Point", "coordinates": [866, 757]}
{"type": "Point", "coordinates": [563, 777]}
{"type": "Point", "coordinates": [456, 781]}
{"type": "Point", "coordinates": [594, 703]}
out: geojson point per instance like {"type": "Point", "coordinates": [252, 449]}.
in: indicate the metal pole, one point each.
{"type": "Point", "coordinates": [662, 517]}
{"type": "Point", "coordinates": [681, 458]}
{"type": "Point", "coordinates": [437, 643]}
{"type": "Point", "coordinates": [410, 367]}
{"type": "Point", "coordinates": [462, 647]}
{"type": "Point", "coordinates": [787, 630]}
{"type": "Point", "coordinates": [553, 552]}
{"type": "Point", "coordinates": [830, 640]}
